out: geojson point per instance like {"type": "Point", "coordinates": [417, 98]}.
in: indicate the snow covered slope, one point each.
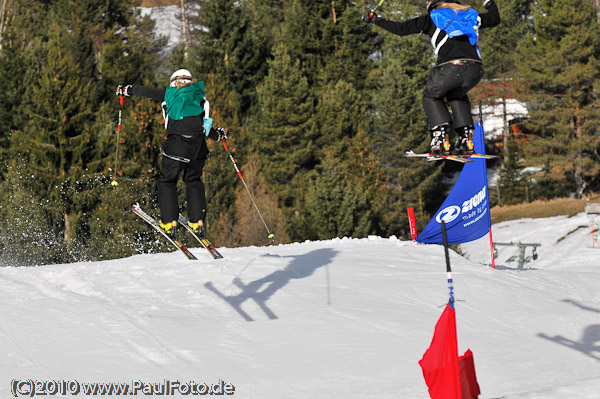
{"type": "Point", "coordinates": [344, 318]}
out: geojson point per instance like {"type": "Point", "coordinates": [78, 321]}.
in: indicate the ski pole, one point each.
{"type": "Point", "coordinates": [448, 269]}
{"type": "Point", "coordinates": [114, 181]}
{"type": "Point", "coordinates": [271, 235]}
{"type": "Point", "coordinates": [372, 12]}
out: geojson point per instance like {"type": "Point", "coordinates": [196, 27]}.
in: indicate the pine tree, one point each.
{"type": "Point", "coordinates": [345, 44]}
{"type": "Point", "coordinates": [559, 71]}
{"type": "Point", "coordinates": [60, 148]}
{"type": "Point", "coordinates": [499, 60]}
{"type": "Point", "coordinates": [286, 125]}
{"type": "Point", "coordinates": [511, 181]}
{"type": "Point", "coordinates": [348, 197]}
{"type": "Point", "coordinates": [57, 137]}
{"type": "Point", "coordinates": [304, 34]}
{"type": "Point", "coordinates": [15, 64]}
{"type": "Point", "coordinates": [234, 43]}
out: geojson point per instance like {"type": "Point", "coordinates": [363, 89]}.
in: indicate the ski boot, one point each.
{"type": "Point", "coordinates": [464, 142]}
{"type": "Point", "coordinates": [169, 227]}
{"type": "Point", "coordinates": [440, 143]}
{"type": "Point", "coordinates": [197, 228]}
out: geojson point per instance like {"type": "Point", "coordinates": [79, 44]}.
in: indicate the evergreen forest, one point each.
{"type": "Point", "coordinates": [318, 106]}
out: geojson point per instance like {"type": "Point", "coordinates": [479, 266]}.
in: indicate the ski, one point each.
{"type": "Point", "coordinates": [458, 158]}
{"type": "Point", "coordinates": [433, 157]}
{"type": "Point", "coordinates": [201, 239]}
{"type": "Point", "coordinates": [137, 209]}
{"type": "Point", "coordinates": [477, 155]}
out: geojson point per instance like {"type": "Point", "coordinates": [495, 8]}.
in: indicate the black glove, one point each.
{"type": "Point", "coordinates": [123, 90]}
{"type": "Point", "coordinates": [369, 17]}
{"type": "Point", "coordinates": [222, 135]}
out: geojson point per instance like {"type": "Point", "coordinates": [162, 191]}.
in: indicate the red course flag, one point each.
{"type": "Point", "coordinates": [440, 361]}
{"type": "Point", "coordinates": [468, 379]}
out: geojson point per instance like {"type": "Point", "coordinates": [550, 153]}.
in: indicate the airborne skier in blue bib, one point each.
{"type": "Point", "coordinates": [453, 29]}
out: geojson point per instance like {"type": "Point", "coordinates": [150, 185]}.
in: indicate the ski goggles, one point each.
{"type": "Point", "coordinates": [182, 79]}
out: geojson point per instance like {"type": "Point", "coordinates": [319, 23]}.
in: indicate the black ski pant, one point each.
{"type": "Point", "coordinates": [450, 83]}
{"type": "Point", "coordinates": [177, 150]}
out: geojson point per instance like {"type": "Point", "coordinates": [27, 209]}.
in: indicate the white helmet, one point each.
{"type": "Point", "coordinates": [181, 75]}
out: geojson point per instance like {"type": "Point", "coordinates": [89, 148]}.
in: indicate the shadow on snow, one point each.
{"type": "Point", "coordinates": [590, 339]}
{"type": "Point", "coordinates": [261, 290]}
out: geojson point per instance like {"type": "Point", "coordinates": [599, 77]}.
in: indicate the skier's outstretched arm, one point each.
{"type": "Point", "coordinates": [492, 17]}
{"type": "Point", "coordinates": [412, 26]}
{"type": "Point", "coordinates": [157, 94]}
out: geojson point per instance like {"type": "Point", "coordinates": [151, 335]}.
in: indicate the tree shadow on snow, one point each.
{"type": "Point", "coordinates": [261, 290]}
{"type": "Point", "coordinates": [590, 340]}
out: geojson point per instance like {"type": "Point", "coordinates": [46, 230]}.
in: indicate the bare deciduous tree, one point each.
{"type": "Point", "coordinates": [3, 17]}
{"type": "Point", "coordinates": [186, 31]}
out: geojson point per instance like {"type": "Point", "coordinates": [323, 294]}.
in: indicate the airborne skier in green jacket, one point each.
{"type": "Point", "coordinates": [187, 120]}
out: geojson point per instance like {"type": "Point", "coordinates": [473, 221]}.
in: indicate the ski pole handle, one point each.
{"type": "Point", "coordinates": [372, 12]}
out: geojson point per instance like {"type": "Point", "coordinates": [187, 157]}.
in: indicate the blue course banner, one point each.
{"type": "Point", "coordinates": [466, 210]}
